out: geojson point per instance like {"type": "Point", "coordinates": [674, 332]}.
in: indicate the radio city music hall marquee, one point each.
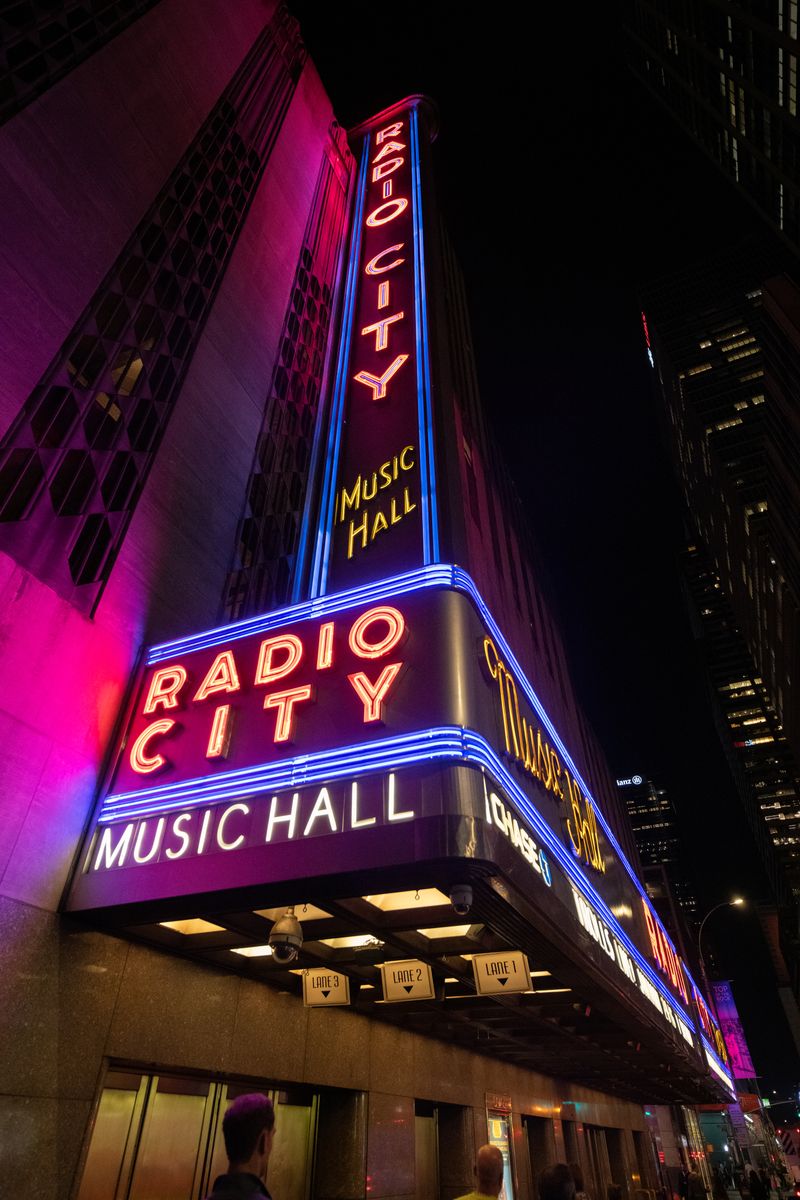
{"type": "Point", "coordinates": [318, 739]}
{"type": "Point", "coordinates": [316, 728]}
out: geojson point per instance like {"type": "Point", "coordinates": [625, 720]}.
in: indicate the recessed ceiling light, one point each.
{"type": "Point", "coordinates": [356, 941]}
{"type": "Point", "coordinates": [537, 974]}
{"type": "Point", "coordinates": [253, 951]}
{"type": "Point", "coordinates": [549, 991]}
{"type": "Point", "coordinates": [192, 925]}
{"type": "Point", "coordinates": [303, 912]}
{"type": "Point", "coordinates": [419, 897]}
{"type": "Point", "coordinates": [444, 931]}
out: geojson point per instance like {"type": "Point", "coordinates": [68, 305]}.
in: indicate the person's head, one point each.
{"type": "Point", "coordinates": [556, 1183]}
{"type": "Point", "coordinates": [248, 1128]}
{"type": "Point", "coordinates": [489, 1170]}
{"type": "Point", "coordinates": [613, 1192]}
{"type": "Point", "coordinates": [577, 1174]}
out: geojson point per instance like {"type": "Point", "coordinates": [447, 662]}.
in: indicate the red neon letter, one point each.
{"type": "Point", "coordinates": [164, 688]}
{"type": "Point", "coordinates": [325, 646]}
{"type": "Point", "coordinates": [396, 628]}
{"type": "Point", "coordinates": [141, 761]}
{"type": "Point", "coordinates": [265, 671]}
{"type": "Point", "coordinates": [380, 329]}
{"type": "Point", "coordinates": [651, 930]}
{"type": "Point", "coordinates": [396, 206]}
{"type": "Point", "coordinates": [220, 737]}
{"type": "Point", "coordinates": [372, 267]}
{"type": "Point", "coordinates": [372, 695]}
{"type": "Point", "coordinates": [285, 702]}
{"type": "Point", "coordinates": [386, 168]}
{"type": "Point", "coordinates": [378, 384]}
{"type": "Point", "coordinates": [389, 148]}
{"type": "Point", "coordinates": [390, 131]}
{"type": "Point", "coordinates": [221, 677]}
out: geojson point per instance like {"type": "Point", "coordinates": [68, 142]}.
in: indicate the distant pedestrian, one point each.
{"type": "Point", "coordinates": [557, 1183]}
{"type": "Point", "coordinates": [577, 1174]}
{"type": "Point", "coordinates": [718, 1189]}
{"type": "Point", "coordinates": [765, 1179]}
{"type": "Point", "coordinates": [697, 1189]}
{"type": "Point", "coordinates": [248, 1128]}
{"type": "Point", "coordinates": [755, 1185]}
{"type": "Point", "coordinates": [488, 1174]}
{"type": "Point", "coordinates": [613, 1191]}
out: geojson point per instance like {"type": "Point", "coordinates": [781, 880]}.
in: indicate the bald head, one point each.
{"type": "Point", "coordinates": [489, 1169]}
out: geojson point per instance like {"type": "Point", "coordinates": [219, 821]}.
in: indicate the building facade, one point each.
{"type": "Point", "coordinates": [712, 343]}
{"type": "Point", "coordinates": [728, 74]}
{"type": "Point", "coordinates": [654, 823]}
{"type": "Point", "coordinates": [298, 795]}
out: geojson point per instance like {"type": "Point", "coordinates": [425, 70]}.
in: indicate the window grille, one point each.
{"type": "Point", "coordinates": [43, 42]}
{"type": "Point", "coordinates": [269, 531]}
{"type": "Point", "coordinates": [74, 462]}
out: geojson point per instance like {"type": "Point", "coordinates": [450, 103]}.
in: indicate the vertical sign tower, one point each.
{"type": "Point", "coordinates": [378, 513]}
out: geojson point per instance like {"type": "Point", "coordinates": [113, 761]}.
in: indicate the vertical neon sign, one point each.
{"type": "Point", "coordinates": [378, 509]}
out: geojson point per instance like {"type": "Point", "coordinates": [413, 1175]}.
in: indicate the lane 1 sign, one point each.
{"type": "Point", "coordinates": [321, 986]}
{"type": "Point", "coordinates": [507, 971]}
{"type": "Point", "coordinates": [408, 979]}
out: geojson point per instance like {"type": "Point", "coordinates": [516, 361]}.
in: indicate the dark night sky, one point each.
{"type": "Point", "coordinates": [564, 187]}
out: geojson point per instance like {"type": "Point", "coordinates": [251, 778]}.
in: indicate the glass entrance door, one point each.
{"type": "Point", "coordinates": [499, 1129]}
{"type": "Point", "coordinates": [159, 1137]}
{"type": "Point", "coordinates": [426, 1162]}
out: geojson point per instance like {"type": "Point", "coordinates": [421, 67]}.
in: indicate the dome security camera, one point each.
{"type": "Point", "coordinates": [286, 938]}
{"type": "Point", "coordinates": [461, 898]}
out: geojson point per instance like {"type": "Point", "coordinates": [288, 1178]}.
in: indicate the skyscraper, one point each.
{"type": "Point", "coordinates": [728, 74]}
{"type": "Point", "coordinates": [712, 349]}
{"type": "Point", "coordinates": [292, 801]}
{"type": "Point", "coordinates": [654, 822]}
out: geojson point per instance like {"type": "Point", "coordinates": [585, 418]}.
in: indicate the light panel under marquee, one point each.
{"type": "Point", "coordinates": [332, 707]}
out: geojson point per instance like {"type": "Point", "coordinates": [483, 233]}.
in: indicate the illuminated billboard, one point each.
{"type": "Point", "coordinates": [732, 1031]}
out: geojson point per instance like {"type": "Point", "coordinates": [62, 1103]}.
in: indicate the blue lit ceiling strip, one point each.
{"type": "Point", "coordinates": [430, 519]}
{"type": "Point", "coordinates": [431, 745]}
{"type": "Point", "coordinates": [319, 570]}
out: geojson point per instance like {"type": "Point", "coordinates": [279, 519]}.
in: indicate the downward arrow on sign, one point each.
{"type": "Point", "coordinates": [326, 993]}
{"type": "Point", "coordinates": [407, 987]}
{"type": "Point", "coordinates": [503, 981]}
